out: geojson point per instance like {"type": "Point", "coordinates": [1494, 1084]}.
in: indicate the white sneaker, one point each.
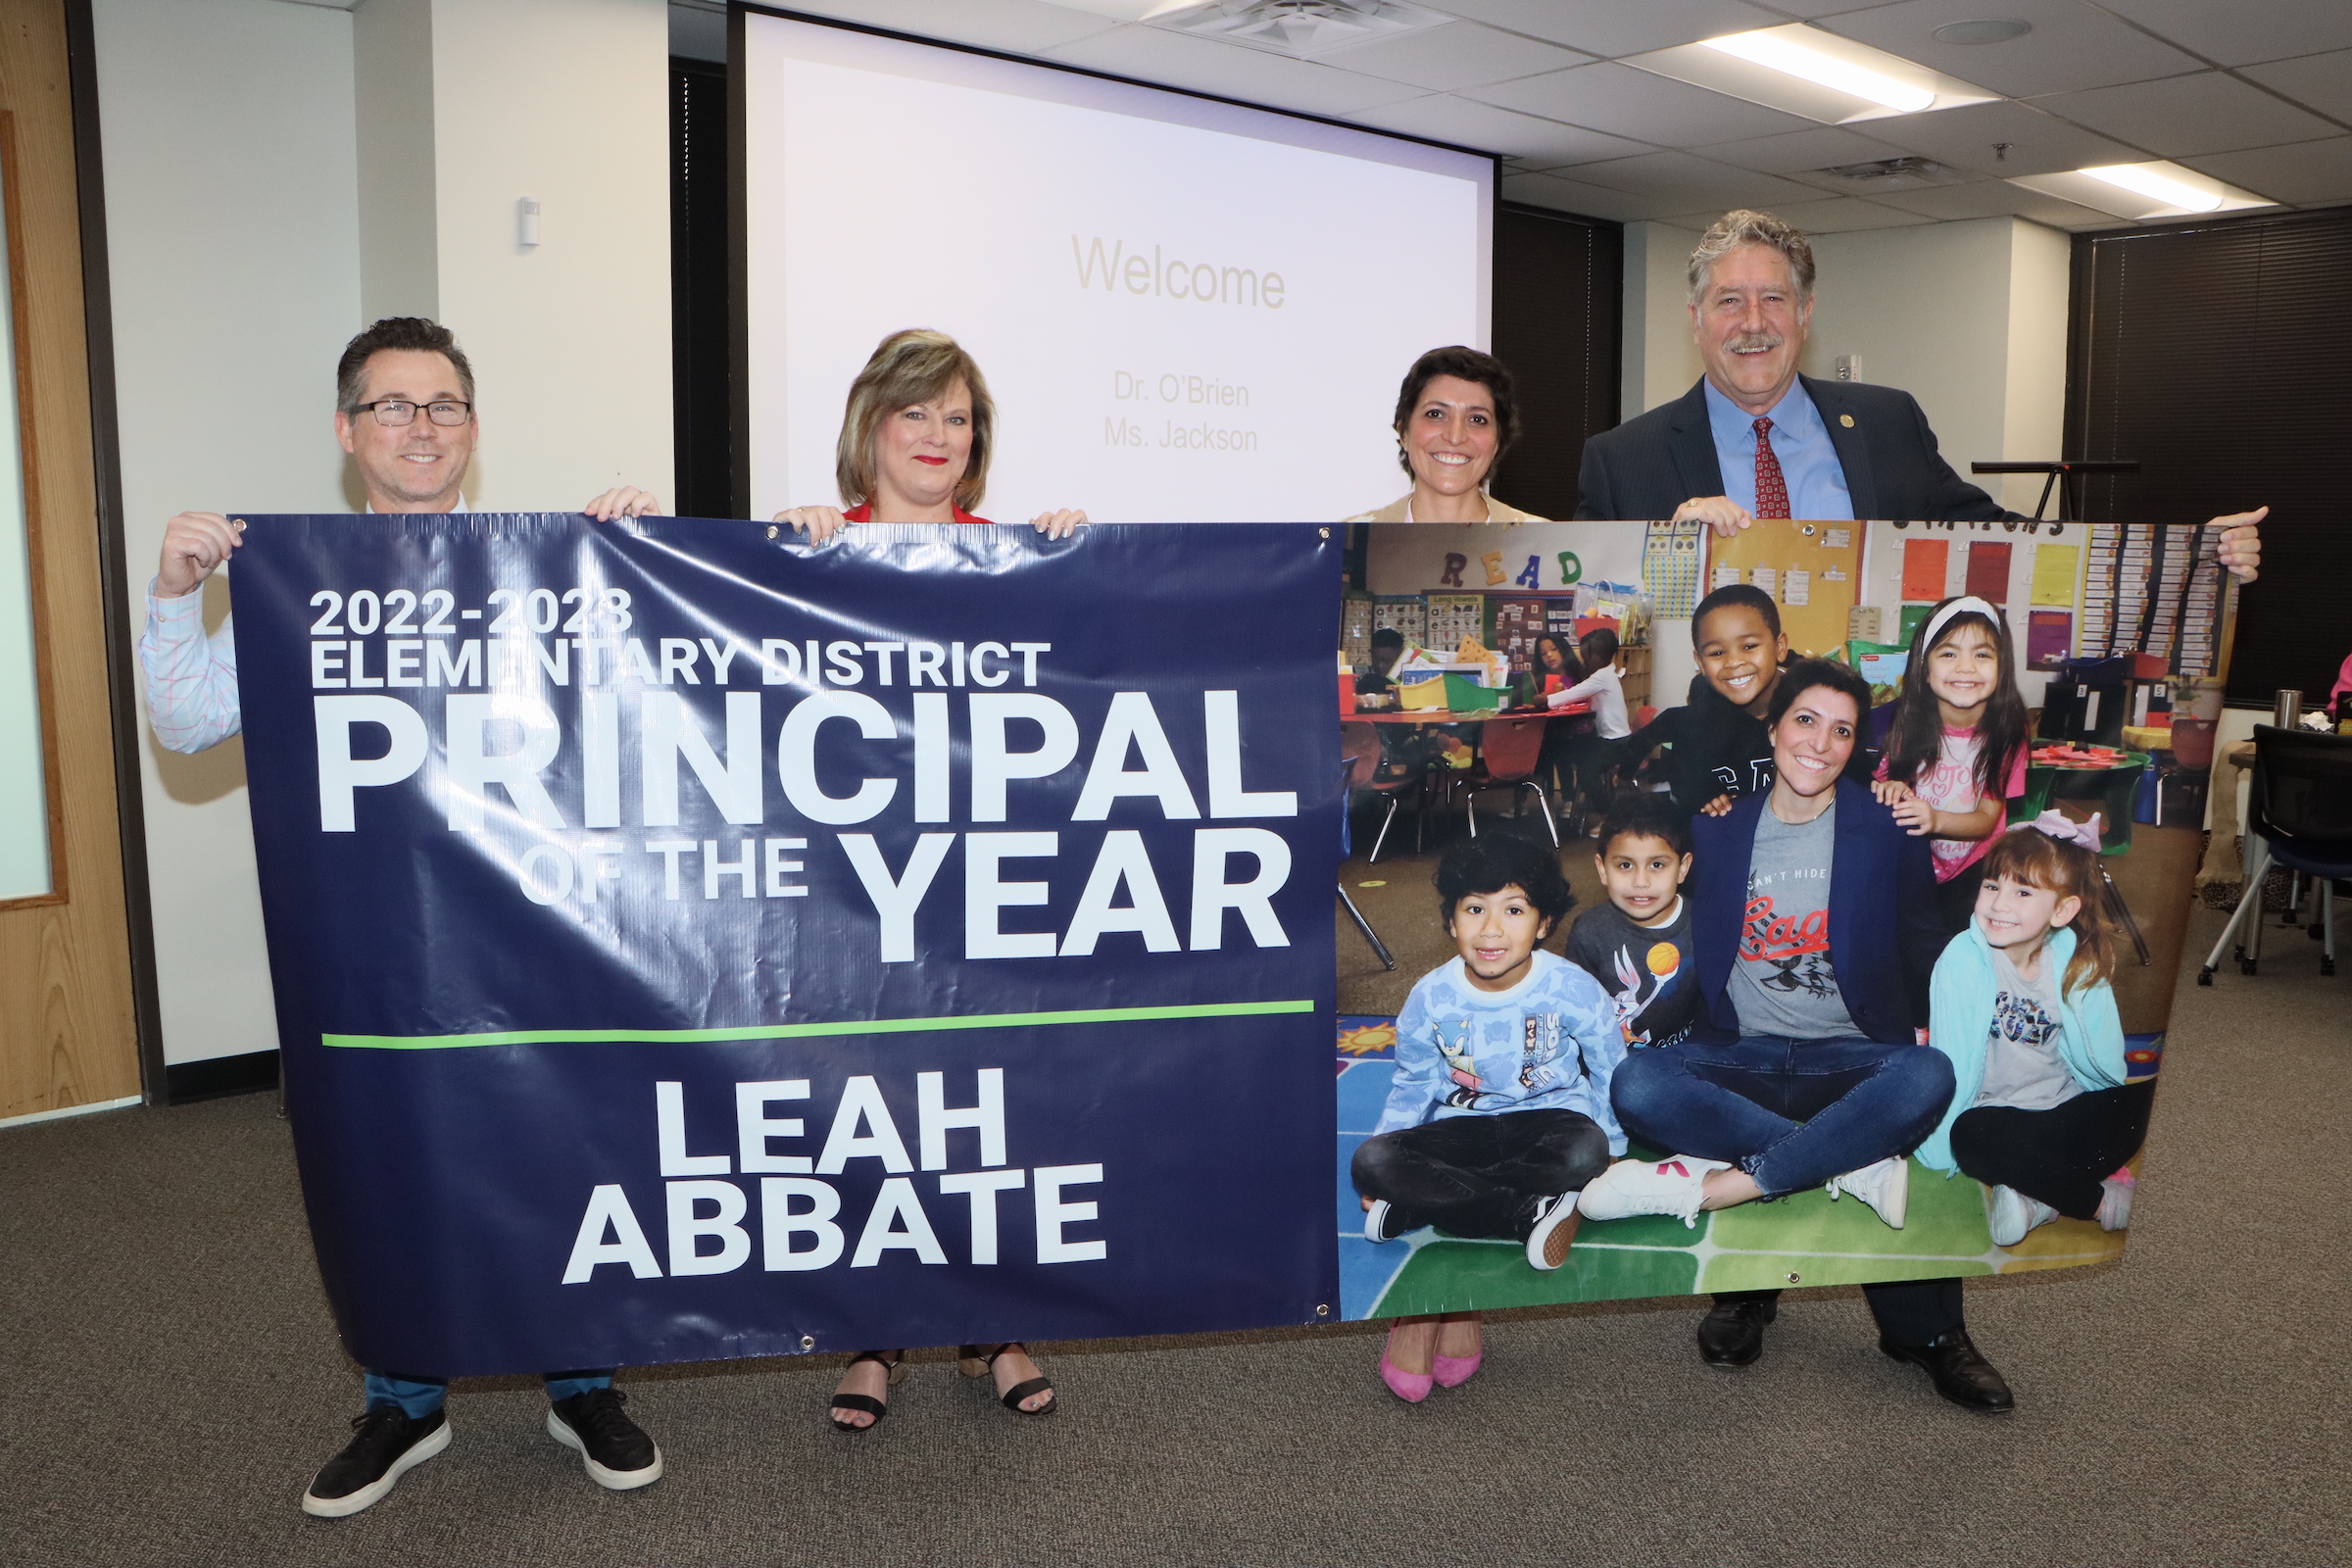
{"type": "Point", "coordinates": [2014, 1214]}
{"type": "Point", "coordinates": [2115, 1201]}
{"type": "Point", "coordinates": [1672, 1186]}
{"type": "Point", "coordinates": [1554, 1228]}
{"type": "Point", "coordinates": [1884, 1185]}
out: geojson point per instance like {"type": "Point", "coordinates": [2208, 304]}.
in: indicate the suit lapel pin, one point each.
{"type": "Point", "coordinates": [1846, 420]}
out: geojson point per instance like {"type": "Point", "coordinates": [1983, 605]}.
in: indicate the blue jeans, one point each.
{"type": "Point", "coordinates": [1791, 1113]}
{"type": "Point", "coordinates": [422, 1396]}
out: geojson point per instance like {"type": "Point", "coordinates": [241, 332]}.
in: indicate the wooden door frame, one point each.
{"type": "Point", "coordinates": [116, 581]}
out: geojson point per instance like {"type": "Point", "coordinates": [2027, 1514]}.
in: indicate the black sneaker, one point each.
{"type": "Point", "coordinates": [615, 1450]}
{"type": "Point", "coordinates": [1384, 1222]}
{"type": "Point", "coordinates": [386, 1444]}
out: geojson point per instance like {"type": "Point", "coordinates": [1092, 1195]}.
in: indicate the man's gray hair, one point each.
{"type": "Point", "coordinates": [1745, 226]}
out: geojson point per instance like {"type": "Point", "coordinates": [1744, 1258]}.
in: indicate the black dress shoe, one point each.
{"type": "Point", "coordinates": [1732, 1333]}
{"type": "Point", "coordinates": [1959, 1369]}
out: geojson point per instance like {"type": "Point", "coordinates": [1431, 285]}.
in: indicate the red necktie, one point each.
{"type": "Point", "coordinates": [1771, 491]}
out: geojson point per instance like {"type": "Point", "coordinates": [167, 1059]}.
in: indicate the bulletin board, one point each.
{"type": "Point", "coordinates": [1813, 572]}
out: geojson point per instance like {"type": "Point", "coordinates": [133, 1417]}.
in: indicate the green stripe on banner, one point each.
{"type": "Point", "coordinates": [802, 1031]}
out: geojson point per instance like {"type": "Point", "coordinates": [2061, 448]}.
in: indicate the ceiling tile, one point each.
{"type": "Point", "coordinates": [1535, 143]}
{"type": "Point", "coordinates": [1591, 201]}
{"type": "Point", "coordinates": [1836, 215]}
{"type": "Point", "coordinates": [2316, 81]}
{"type": "Point", "coordinates": [1994, 198]}
{"type": "Point", "coordinates": [1017, 26]}
{"type": "Point", "coordinates": [1459, 54]}
{"type": "Point", "coordinates": [2236, 32]}
{"type": "Point", "coordinates": [1693, 181]}
{"type": "Point", "coordinates": [1966, 138]}
{"type": "Point", "coordinates": [1229, 70]}
{"type": "Point", "coordinates": [1822, 147]}
{"type": "Point", "coordinates": [2309, 174]}
{"type": "Point", "coordinates": [1626, 102]}
{"type": "Point", "coordinates": [2207, 113]}
{"type": "Point", "coordinates": [1617, 26]}
{"type": "Point", "coordinates": [2071, 46]}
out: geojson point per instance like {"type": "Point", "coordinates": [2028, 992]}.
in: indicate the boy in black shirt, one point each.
{"type": "Point", "coordinates": [1638, 944]}
{"type": "Point", "coordinates": [1720, 749]}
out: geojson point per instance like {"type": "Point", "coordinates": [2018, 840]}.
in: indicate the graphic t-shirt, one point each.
{"type": "Point", "coordinates": [2021, 1067]}
{"type": "Point", "coordinates": [1645, 969]}
{"type": "Point", "coordinates": [1784, 982]}
{"type": "Point", "coordinates": [1949, 784]}
{"type": "Point", "coordinates": [1550, 1043]}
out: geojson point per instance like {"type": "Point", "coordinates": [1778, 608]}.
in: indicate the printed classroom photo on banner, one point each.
{"type": "Point", "coordinates": [1499, 1038]}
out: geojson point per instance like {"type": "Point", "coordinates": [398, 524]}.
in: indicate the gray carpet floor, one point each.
{"type": "Point", "coordinates": [169, 1376]}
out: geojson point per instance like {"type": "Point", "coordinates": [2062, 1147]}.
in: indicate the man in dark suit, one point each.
{"type": "Point", "coordinates": [1755, 439]}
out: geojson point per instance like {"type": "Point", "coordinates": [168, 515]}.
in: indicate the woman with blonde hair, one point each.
{"type": "Point", "coordinates": [914, 447]}
{"type": "Point", "coordinates": [915, 440]}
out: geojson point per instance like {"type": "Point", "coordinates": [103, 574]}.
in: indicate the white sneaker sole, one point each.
{"type": "Point", "coordinates": [609, 1480]}
{"type": "Point", "coordinates": [376, 1491]}
{"type": "Point", "coordinates": [1375, 1220]}
{"type": "Point", "coordinates": [1563, 1212]}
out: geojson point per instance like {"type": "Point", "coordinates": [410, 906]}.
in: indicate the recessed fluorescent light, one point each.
{"type": "Point", "coordinates": [1774, 49]}
{"type": "Point", "coordinates": [2146, 181]}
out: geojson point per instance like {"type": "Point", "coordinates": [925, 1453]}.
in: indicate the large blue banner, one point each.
{"type": "Point", "coordinates": [688, 943]}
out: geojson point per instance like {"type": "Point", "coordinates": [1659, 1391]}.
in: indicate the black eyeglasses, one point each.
{"type": "Point", "coordinates": [400, 411]}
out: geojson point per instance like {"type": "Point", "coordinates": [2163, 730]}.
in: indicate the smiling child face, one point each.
{"type": "Point", "coordinates": [1963, 670]}
{"type": "Point", "coordinates": [1497, 934]}
{"type": "Point", "coordinates": [1643, 874]}
{"type": "Point", "coordinates": [1739, 655]}
{"type": "Point", "coordinates": [2011, 912]}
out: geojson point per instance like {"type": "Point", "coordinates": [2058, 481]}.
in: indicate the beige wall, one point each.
{"type": "Point", "coordinates": [1660, 361]}
{"type": "Point", "coordinates": [1969, 318]}
{"type": "Point", "coordinates": [252, 229]}
{"type": "Point", "coordinates": [233, 237]}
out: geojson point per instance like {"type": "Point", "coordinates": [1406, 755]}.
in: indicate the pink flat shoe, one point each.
{"type": "Point", "coordinates": [1411, 1386]}
{"type": "Point", "coordinates": [1452, 1371]}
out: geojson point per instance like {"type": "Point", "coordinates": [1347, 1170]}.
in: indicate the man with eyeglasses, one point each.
{"type": "Point", "coordinates": [404, 412]}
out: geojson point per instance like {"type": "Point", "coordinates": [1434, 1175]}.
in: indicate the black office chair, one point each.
{"type": "Point", "coordinates": [2299, 810]}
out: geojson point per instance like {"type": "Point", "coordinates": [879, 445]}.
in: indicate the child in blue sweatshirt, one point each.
{"type": "Point", "coordinates": [2020, 1003]}
{"type": "Point", "coordinates": [1500, 1110]}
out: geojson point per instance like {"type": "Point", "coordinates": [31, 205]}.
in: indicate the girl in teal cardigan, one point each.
{"type": "Point", "coordinates": [2022, 1005]}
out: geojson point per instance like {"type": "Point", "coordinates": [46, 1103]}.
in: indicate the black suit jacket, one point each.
{"type": "Point", "coordinates": [1653, 463]}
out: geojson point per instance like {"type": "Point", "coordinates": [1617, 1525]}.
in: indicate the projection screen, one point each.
{"type": "Point", "coordinates": [1171, 297]}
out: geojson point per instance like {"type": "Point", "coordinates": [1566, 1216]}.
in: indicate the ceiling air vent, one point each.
{"type": "Point", "coordinates": [1295, 27]}
{"type": "Point", "coordinates": [1908, 173]}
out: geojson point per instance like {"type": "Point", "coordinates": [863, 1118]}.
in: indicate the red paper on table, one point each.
{"type": "Point", "coordinates": [1988, 571]}
{"type": "Point", "coordinates": [1923, 570]}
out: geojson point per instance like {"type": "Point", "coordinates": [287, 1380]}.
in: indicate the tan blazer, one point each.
{"type": "Point", "coordinates": [1398, 511]}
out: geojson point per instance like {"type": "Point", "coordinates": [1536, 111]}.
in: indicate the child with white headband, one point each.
{"type": "Point", "coordinates": [2022, 1006]}
{"type": "Point", "coordinates": [1954, 743]}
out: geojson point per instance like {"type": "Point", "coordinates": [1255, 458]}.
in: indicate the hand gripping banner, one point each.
{"type": "Point", "coordinates": [691, 944]}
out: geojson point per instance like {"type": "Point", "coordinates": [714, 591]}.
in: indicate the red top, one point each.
{"type": "Point", "coordinates": [863, 511]}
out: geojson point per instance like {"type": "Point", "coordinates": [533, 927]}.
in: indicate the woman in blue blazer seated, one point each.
{"type": "Point", "coordinates": [1815, 929]}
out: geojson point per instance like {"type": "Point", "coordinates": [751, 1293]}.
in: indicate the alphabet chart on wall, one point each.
{"type": "Point", "coordinates": [1670, 552]}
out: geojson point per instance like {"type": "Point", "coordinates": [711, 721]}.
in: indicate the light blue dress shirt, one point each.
{"type": "Point", "coordinates": [1809, 464]}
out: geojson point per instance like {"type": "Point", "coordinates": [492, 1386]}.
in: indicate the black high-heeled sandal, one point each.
{"type": "Point", "coordinates": [894, 1365]}
{"type": "Point", "coordinates": [974, 1362]}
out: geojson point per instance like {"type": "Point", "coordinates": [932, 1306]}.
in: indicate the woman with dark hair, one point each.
{"type": "Point", "coordinates": [1815, 933]}
{"type": "Point", "coordinates": [1455, 419]}
{"type": "Point", "coordinates": [915, 441]}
